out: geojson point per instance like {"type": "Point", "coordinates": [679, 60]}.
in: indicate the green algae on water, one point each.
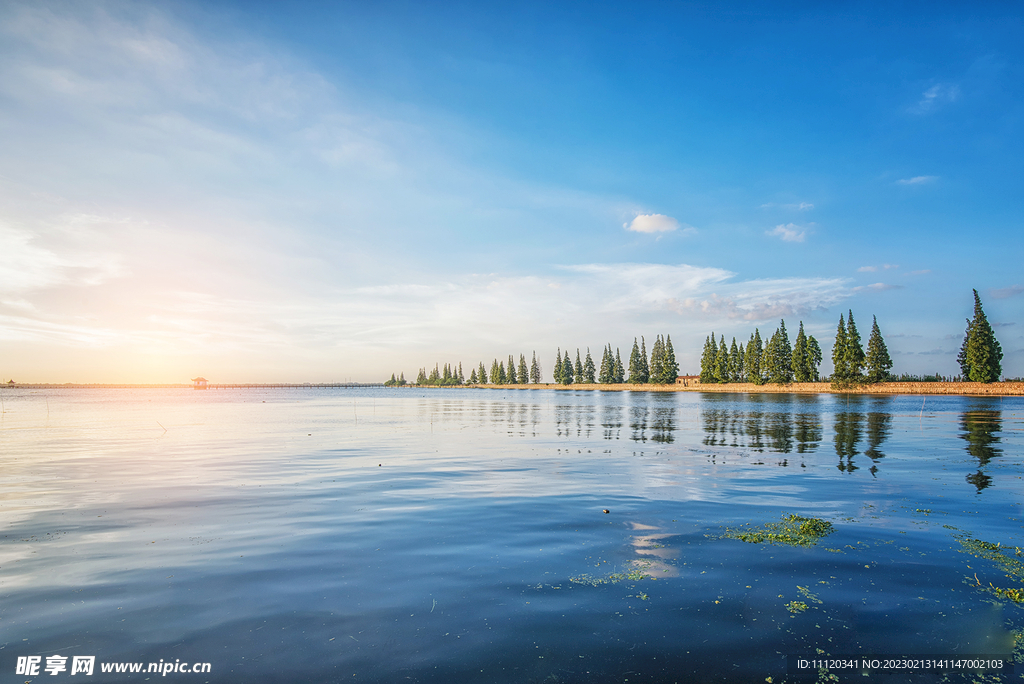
{"type": "Point", "coordinates": [1001, 556]}
{"type": "Point", "coordinates": [792, 530]}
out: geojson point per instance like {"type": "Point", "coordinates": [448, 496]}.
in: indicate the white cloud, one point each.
{"type": "Point", "coordinates": [656, 223]}
{"type": "Point", "coordinates": [877, 287]}
{"type": "Point", "coordinates": [917, 180]}
{"type": "Point", "coordinates": [937, 94]}
{"type": "Point", "coordinates": [789, 232]}
{"type": "Point", "coordinates": [797, 206]}
{"type": "Point", "coordinates": [872, 269]}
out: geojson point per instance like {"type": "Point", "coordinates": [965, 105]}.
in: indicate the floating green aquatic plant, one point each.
{"type": "Point", "coordinates": [634, 575]}
{"type": "Point", "coordinates": [796, 607]}
{"type": "Point", "coordinates": [1000, 555]}
{"type": "Point", "coordinates": [793, 530]}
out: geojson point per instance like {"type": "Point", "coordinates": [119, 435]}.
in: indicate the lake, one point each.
{"type": "Point", "coordinates": [433, 535]}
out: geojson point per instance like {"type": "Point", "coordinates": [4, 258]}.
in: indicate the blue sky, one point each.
{"type": "Point", "coordinates": [327, 191]}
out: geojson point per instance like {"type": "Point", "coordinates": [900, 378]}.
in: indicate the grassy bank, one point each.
{"type": "Point", "coordinates": [957, 388]}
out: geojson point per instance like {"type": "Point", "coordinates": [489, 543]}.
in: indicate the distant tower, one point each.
{"type": "Point", "coordinates": [199, 383]}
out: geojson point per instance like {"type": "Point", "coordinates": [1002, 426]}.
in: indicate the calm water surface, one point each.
{"type": "Point", "coordinates": [459, 535]}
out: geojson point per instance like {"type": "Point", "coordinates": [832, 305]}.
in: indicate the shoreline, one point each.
{"type": "Point", "coordinates": [995, 389]}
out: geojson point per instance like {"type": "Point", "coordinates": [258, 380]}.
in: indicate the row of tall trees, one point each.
{"type": "Point", "coordinates": [662, 369]}
{"type": "Point", "coordinates": [776, 361]}
{"type": "Point", "coordinates": [510, 374]}
{"type": "Point", "coordinates": [851, 365]}
{"type": "Point", "coordinates": [448, 376]}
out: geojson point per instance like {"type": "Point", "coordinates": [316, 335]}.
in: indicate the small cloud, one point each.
{"type": "Point", "coordinates": [1007, 292]}
{"type": "Point", "coordinates": [656, 223]}
{"type": "Point", "coordinates": [878, 287]}
{"type": "Point", "coordinates": [867, 269]}
{"type": "Point", "coordinates": [917, 180]}
{"type": "Point", "coordinates": [935, 352]}
{"type": "Point", "coordinates": [789, 232]}
{"type": "Point", "coordinates": [801, 206]}
{"type": "Point", "coordinates": [936, 95]}
{"type": "Point", "coordinates": [1003, 325]}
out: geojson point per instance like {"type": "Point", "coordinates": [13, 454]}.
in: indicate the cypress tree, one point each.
{"type": "Point", "coordinates": [481, 376]}
{"type": "Point", "coordinates": [401, 379]}
{"type": "Point", "coordinates": [801, 366]}
{"type": "Point", "coordinates": [524, 374]}
{"type": "Point", "coordinates": [878, 361]}
{"type": "Point", "coordinates": [781, 361]}
{"type": "Point", "coordinates": [588, 369]}
{"type": "Point", "coordinates": [558, 366]}
{"type": "Point", "coordinates": [512, 378]}
{"type": "Point", "coordinates": [535, 370]}
{"type": "Point", "coordinates": [421, 379]}
{"type": "Point", "coordinates": [502, 375]}
{"type": "Point", "coordinates": [620, 372]}
{"type": "Point", "coordinates": [604, 376]}
{"type": "Point", "coordinates": [578, 368]}
{"type": "Point", "coordinates": [754, 361]}
{"type": "Point", "coordinates": [472, 377]}
{"type": "Point", "coordinates": [854, 351]}
{"type": "Point", "coordinates": [722, 362]}
{"type": "Point", "coordinates": [567, 370]}
{"type": "Point", "coordinates": [671, 365]}
{"type": "Point", "coordinates": [634, 363]}
{"type": "Point", "coordinates": [981, 356]}
{"type": "Point", "coordinates": [462, 378]}
{"type": "Point", "coordinates": [840, 370]}
{"type": "Point", "coordinates": [495, 377]}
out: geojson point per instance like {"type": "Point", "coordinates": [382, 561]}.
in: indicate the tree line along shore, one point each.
{"type": "Point", "coordinates": [753, 366]}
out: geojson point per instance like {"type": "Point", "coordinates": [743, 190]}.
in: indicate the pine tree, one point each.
{"type": "Point", "coordinates": [840, 370]}
{"type": "Point", "coordinates": [779, 356]}
{"type": "Point", "coordinates": [481, 376]}
{"type": "Point", "coordinates": [421, 379]}
{"type": "Point", "coordinates": [671, 366]}
{"type": "Point", "coordinates": [657, 362]}
{"type": "Point", "coordinates": [814, 357]}
{"type": "Point", "coordinates": [707, 360]}
{"type": "Point", "coordinates": [877, 359]}
{"type": "Point", "coordinates": [401, 379]}
{"type": "Point", "coordinates": [645, 370]}
{"type": "Point", "coordinates": [735, 363]}
{"type": "Point", "coordinates": [981, 356]}
{"type": "Point", "coordinates": [588, 369]}
{"type": "Point", "coordinates": [722, 362]}
{"type": "Point", "coordinates": [578, 368]}
{"type": "Point", "coordinates": [634, 363]}
{"type": "Point", "coordinates": [754, 361]}
{"type": "Point", "coordinates": [854, 351]}
{"type": "Point", "coordinates": [604, 375]}
{"type": "Point", "coordinates": [801, 365]}
{"type": "Point", "coordinates": [558, 366]}
{"type": "Point", "coordinates": [524, 374]}
{"type": "Point", "coordinates": [620, 372]}
{"type": "Point", "coordinates": [495, 377]}
{"type": "Point", "coordinates": [511, 377]}
{"type": "Point", "coordinates": [472, 377]}
{"type": "Point", "coordinates": [462, 378]}
{"type": "Point", "coordinates": [567, 370]}
{"type": "Point", "coordinates": [535, 370]}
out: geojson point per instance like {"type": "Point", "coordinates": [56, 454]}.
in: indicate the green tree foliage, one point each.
{"type": "Point", "coordinates": [558, 366]}
{"type": "Point", "coordinates": [657, 370]}
{"type": "Point", "coordinates": [878, 362]}
{"type": "Point", "coordinates": [619, 375]}
{"type": "Point", "coordinates": [735, 363]}
{"type": "Point", "coordinates": [707, 360]}
{"type": "Point", "coordinates": [578, 368]}
{"type": "Point", "coordinates": [981, 356]}
{"type": "Point", "coordinates": [722, 362]}
{"type": "Point", "coordinates": [421, 378]}
{"type": "Point", "coordinates": [568, 372]}
{"type": "Point", "coordinates": [854, 350]}
{"type": "Point", "coordinates": [392, 382]}
{"type": "Point", "coordinates": [604, 373]}
{"type": "Point", "coordinates": [535, 370]}
{"type": "Point", "coordinates": [511, 374]}
{"type": "Point", "coordinates": [588, 369]}
{"type": "Point", "coordinates": [814, 357]}
{"type": "Point", "coordinates": [502, 375]}
{"type": "Point", "coordinates": [635, 363]}
{"type": "Point", "coordinates": [671, 366]}
{"type": "Point", "coordinates": [753, 358]}
{"type": "Point", "coordinates": [524, 373]}
{"type": "Point", "coordinates": [801, 361]}
{"type": "Point", "coordinates": [495, 375]}
{"type": "Point", "coordinates": [645, 370]}
{"type": "Point", "coordinates": [472, 377]}
{"type": "Point", "coordinates": [840, 371]}
{"type": "Point", "coordinates": [481, 374]}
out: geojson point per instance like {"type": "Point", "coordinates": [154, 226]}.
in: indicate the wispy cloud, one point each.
{"type": "Point", "coordinates": [797, 206]}
{"type": "Point", "coordinates": [872, 269]}
{"type": "Point", "coordinates": [917, 180]}
{"type": "Point", "coordinates": [936, 95]}
{"type": "Point", "coordinates": [876, 287]}
{"type": "Point", "coordinates": [1007, 292]}
{"type": "Point", "coordinates": [657, 223]}
{"type": "Point", "coordinates": [789, 232]}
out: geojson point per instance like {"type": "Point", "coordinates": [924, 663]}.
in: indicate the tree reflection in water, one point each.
{"type": "Point", "coordinates": [781, 423]}
{"type": "Point", "coordinates": [980, 425]}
